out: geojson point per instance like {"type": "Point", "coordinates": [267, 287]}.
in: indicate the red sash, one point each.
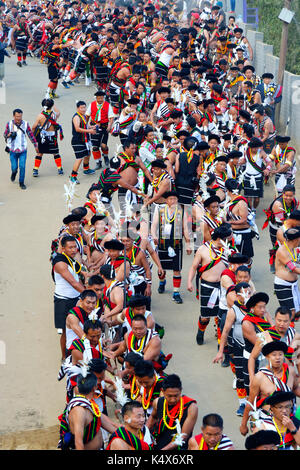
{"type": "Point", "coordinates": [208, 266]}
{"type": "Point", "coordinates": [229, 273]}
{"type": "Point", "coordinates": [261, 323]}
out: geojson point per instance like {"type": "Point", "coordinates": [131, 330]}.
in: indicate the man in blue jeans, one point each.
{"type": "Point", "coordinates": [15, 135]}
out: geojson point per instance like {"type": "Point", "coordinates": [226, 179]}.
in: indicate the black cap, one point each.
{"type": "Point", "coordinates": [210, 200]}
{"type": "Point", "coordinates": [183, 132]}
{"type": "Point", "coordinates": [158, 164]}
{"type": "Point", "coordinates": [292, 233]}
{"type": "Point", "coordinates": [221, 158]}
{"type": "Point", "coordinates": [295, 215]}
{"type": "Point", "coordinates": [258, 297]}
{"type": "Point", "coordinates": [237, 258]}
{"type": "Point", "coordinates": [267, 75]}
{"type": "Point", "coordinates": [72, 218]}
{"type": "Point", "coordinates": [94, 187]}
{"type": "Point", "coordinates": [274, 346]}
{"type": "Point", "coordinates": [248, 67]}
{"type": "Point", "coordinates": [95, 218]}
{"type": "Point", "coordinates": [234, 154]}
{"type": "Point", "coordinates": [245, 114]}
{"type": "Point", "coordinates": [255, 143]}
{"type": "Point", "coordinates": [281, 139]}
{"type": "Point", "coordinates": [279, 397]}
{"type": "Point", "coordinates": [262, 437]}
{"type": "Point", "coordinates": [114, 245]}
{"type": "Point", "coordinates": [133, 101]}
{"type": "Point", "coordinates": [203, 146]}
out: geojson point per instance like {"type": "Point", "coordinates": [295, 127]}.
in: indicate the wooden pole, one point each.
{"type": "Point", "coordinates": [282, 56]}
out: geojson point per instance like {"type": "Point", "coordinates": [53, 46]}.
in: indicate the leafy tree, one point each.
{"type": "Point", "coordinates": [271, 26]}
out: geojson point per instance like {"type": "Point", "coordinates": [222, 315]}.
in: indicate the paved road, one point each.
{"type": "Point", "coordinates": [30, 395]}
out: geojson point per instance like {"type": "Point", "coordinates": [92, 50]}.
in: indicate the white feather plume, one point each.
{"type": "Point", "coordinates": [245, 294]}
{"type": "Point", "coordinates": [118, 150]}
{"type": "Point", "coordinates": [203, 187]}
{"type": "Point", "coordinates": [93, 315]}
{"type": "Point", "coordinates": [120, 392]}
{"type": "Point", "coordinates": [158, 134]}
{"type": "Point", "coordinates": [255, 413]}
{"type": "Point", "coordinates": [178, 440]}
{"type": "Point", "coordinates": [128, 210]}
{"type": "Point", "coordinates": [69, 193]}
{"type": "Point", "coordinates": [117, 222]}
{"type": "Point", "coordinates": [84, 368]}
{"type": "Point", "coordinates": [226, 247]}
{"type": "Point", "coordinates": [99, 205]}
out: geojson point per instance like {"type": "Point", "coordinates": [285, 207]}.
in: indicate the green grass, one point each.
{"type": "Point", "coordinates": [271, 26]}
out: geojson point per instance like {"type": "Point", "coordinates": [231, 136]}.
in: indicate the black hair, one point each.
{"type": "Point", "coordinates": [128, 407]}
{"type": "Point", "coordinates": [127, 143]}
{"type": "Point", "coordinates": [139, 317]}
{"type": "Point", "coordinates": [283, 311]}
{"type": "Point", "coordinates": [88, 293]}
{"type": "Point", "coordinates": [132, 358]}
{"type": "Point", "coordinates": [289, 187]}
{"type": "Point", "coordinates": [48, 103]}
{"type": "Point", "coordinates": [95, 279]}
{"type": "Point", "coordinates": [240, 286]}
{"type": "Point", "coordinates": [144, 369]}
{"type": "Point", "coordinates": [17, 110]}
{"type": "Point", "coordinates": [86, 384]}
{"type": "Point", "coordinates": [80, 103]}
{"type": "Point", "coordinates": [213, 420]}
{"type": "Point", "coordinates": [172, 381]}
{"type": "Point", "coordinates": [108, 271]}
{"type": "Point", "coordinates": [91, 325]}
{"type": "Point", "coordinates": [243, 269]}
{"type": "Point", "coordinates": [115, 162]}
{"type": "Point", "coordinates": [67, 238]}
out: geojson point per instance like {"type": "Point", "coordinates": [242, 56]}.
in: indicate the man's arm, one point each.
{"type": "Point", "coordinates": [249, 332]}
{"type": "Point", "coordinates": [117, 297]}
{"type": "Point", "coordinates": [254, 391]}
{"type": "Point", "coordinates": [73, 323]}
{"type": "Point", "coordinates": [62, 269]}
{"type": "Point", "coordinates": [164, 187]}
{"type": "Point", "coordinates": [153, 348]}
{"type": "Point", "coordinates": [121, 349]}
{"type": "Point", "coordinates": [143, 168]}
{"type": "Point", "coordinates": [193, 269]}
{"type": "Point", "coordinates": [107, 423]}
{"type": "Point", "coordinates": [253, 356]}
{"type": "Point", "coordinates": [31, 137]}
{"type": "Point", "coordinates": [76, 122]}
{"type": "Point", "coordinates": [230, 319]}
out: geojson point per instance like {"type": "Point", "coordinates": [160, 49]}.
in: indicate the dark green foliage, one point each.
{"type": "Point", "coordinates": [271, 26]}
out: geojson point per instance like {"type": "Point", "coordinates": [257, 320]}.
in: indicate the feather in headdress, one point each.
{"type": "Point", "coordinates": [120, 392]}
{"type": "Point", "coordinates": [69, 193]}
{"type": "Point", "coordinates": [93, 315]}
{"type": "Point", "coordinates": [178, 437]}
{"type": "Point", "coordinates": [117, 222]}
{"type": "Point", "coordinates": [255, 414]}
{"type": "Point", "coordinates": [100, 206]}
{"type": "Point", "coordinates": [84, 368]}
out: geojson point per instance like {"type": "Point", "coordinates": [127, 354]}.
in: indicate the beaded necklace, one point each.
{"type": "Point", "coordinates": [167, 413]}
